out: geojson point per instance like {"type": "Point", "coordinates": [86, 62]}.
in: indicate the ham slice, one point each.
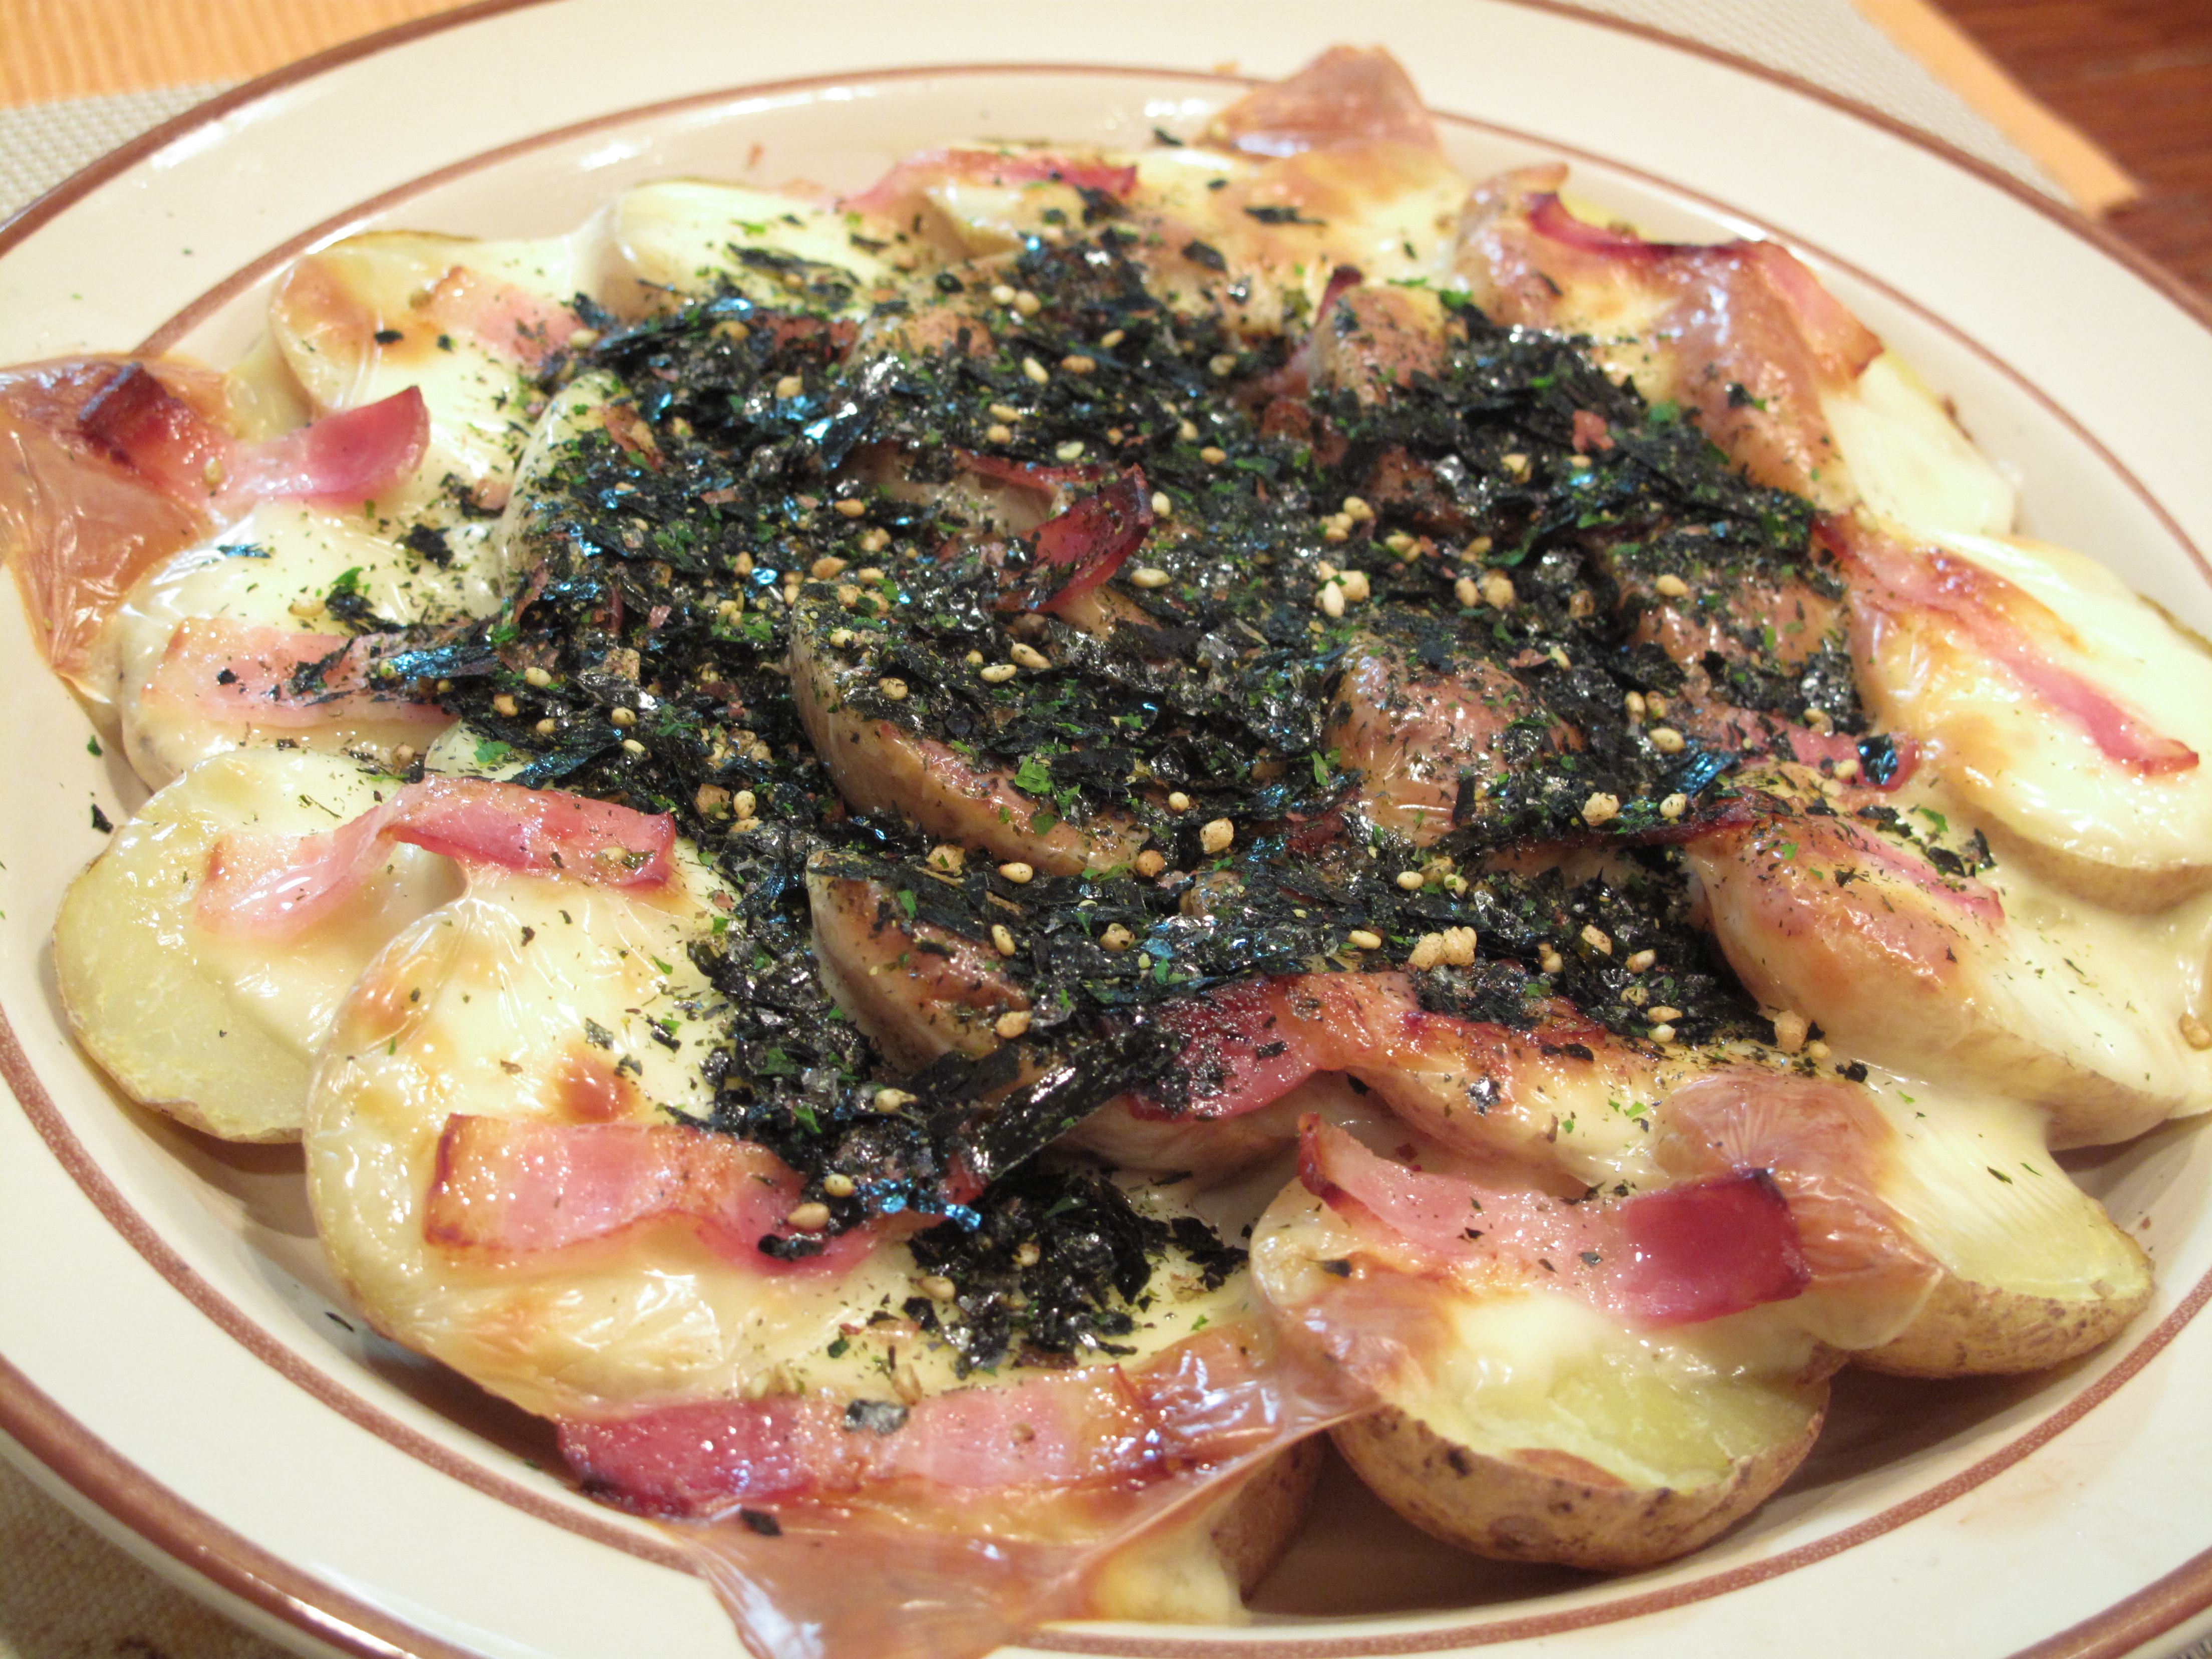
{"type": "Point", "coordinates": [518, 1187]}
{"type": "Point", "coordinates": [276, 887]}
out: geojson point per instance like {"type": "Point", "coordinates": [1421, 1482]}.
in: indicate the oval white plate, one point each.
{"type": "Point", "coordinates": [171, 1349]}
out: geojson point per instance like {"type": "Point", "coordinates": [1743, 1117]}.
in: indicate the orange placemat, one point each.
{"type": "Point", "coordinates": [51, 50]}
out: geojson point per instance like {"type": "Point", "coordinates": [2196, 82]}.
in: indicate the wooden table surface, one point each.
{"type": "Point", "coordinates": [2136, 76]}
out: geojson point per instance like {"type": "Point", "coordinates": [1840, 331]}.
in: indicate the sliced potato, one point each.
{"type": "Point", "coordinates": [1523, 1424]}
{"type": "Point", "coordinates": [221, 1033]}
{"type": "Point", "coordinates": [2035, 1271]}
{"type": "Point", "coordinates": [683, 238]}
{"type": "Point", "coordinates": [1199, 1568]}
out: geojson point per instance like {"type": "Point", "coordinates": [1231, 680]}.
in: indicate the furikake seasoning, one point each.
{"type": "Point", "coordinates": [764, 486]}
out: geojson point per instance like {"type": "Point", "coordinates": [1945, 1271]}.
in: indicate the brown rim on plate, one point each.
{"type": "Point", "coordinates": [198, 1541]}
{"type": "Point", "coordinates": [241, 1567]}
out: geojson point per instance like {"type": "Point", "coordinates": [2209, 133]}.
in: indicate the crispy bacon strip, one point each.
{"type": "Point", "coordinates": [275, 886]}
{"type": "Point", "coordinates": [516, 1186]}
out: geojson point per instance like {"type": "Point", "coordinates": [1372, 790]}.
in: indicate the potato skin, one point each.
{"type": "Point", "coordinates": [1967, 1330]}
{"type": "Point", "coordinates": [1548, 1506]}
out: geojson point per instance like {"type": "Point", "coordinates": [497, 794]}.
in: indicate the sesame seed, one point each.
{"type": "Point", "coordinates": [1034, 370]}
{"type": "Point", "coordinates": [1356, 588]}
{"type": "Point", "coordinates": [1005, 412]}
{"type": "Point", "coordinates": [1028, 1253]}
{"type": "Point", "coordinates": [838, 1184]}
{"type": "Point", "coordinates": [1549, 961]}
{"type": "Point", "coordinates": [1671, 586]}
{"type": "Point", "coordinates": [937, 1287]}
{"type": "Point", "coordinates": [1818, 719]}
{"type": "Point", "coordinates": [732, 607]}
{"type": "Point", "coordinates": [1664, 1013]}
{"type": "Point", "coordinates": [1018, 872]}
{"type": "Point", "coordinates": [1162, 507]}
{"type": "Point", "coordinates": [1601, 808]}
{"type": "Point", "coordinates": [1178, 801]}
{"type": "Point", "coordinates": [623, 716]}
{"type": "Point", "coordinates": [790, 386]}
{"type": "Point", "coordinates": [1410, 880]}
{"type": "Point", "coordinates": [1817, 1049]}
{"type": "Point", "coordinates": [1070, 451]}
{"type": "Point", "coordinates": [1357, 510]}
{"type": "Point", "coordinates": [1028, 303]}
{"type": "Point", "coordinates": [536, 675]}
{"type": "Point", "coordinates": [1477, 548]}
{"type": "Point", "coordinates": [1634, 702]}
{"type": "Point", "coordinates": [1517, 464]}
{"type": "Point", "coordinates": [1150, 862]}
{"type": "Point", "coordinates": [1012, 1024]}
{"type": "Point", "coordinates": [1847, 769]}
{"type": "Point", "coordinates": [1674, 806]}
{"type": "Point", "coordinates": [403, 754]}
{"type": "Point", "coordinates": [827, 566]}
{"type": "Point", "coordinates": [1667, 740]}
{"type": "Point", "coordinates": [1112, 337]}
{"type": "Point", "coordinates": [1002, 294]}
{"type": "Point", "coordinates": [1497, 590]}
{"type": "Point", "coordinates": [1222, 366]}
{"type": "Point", "coordinates": [505, 706]}
{"type": "Point", "coordinates": [2195, 1032]}
{"type": "Point", "coordinates": [1655, 706]}
{"type": "Point", "coordinates": [1459, 946]}
{"type": "Point", "coordinates": [1790, 1031]}
{"type": "Point", "coordinates": [893, 689]}
{"type": "Point", "coordinates": [1638, 961]}
{"type": "Point", "coordinates": [841, 638]}
{"type": "Point", "coordinates": [1076, 363]}
{"type": "Point", "coordinates": [632, 746]}
{"type": "Point", "coordinates": [1117, 938]}
{"type": "Point", "coordinates": [999, 673]}
{"type": "Point", "coordinates": [1428, 951]}
{"type": "Point", "coordinates": [1187, 431]}
{"type": "Point", "coordinates": [1213, 455]}
{"type": "Point", "coordinates": [1215, 836]}
{"type": "Point", "coordinates": [851, 507]}
{"type": "Point", "coordinates": [868, 572]}
{"type": "Point", "coordinates": [973, 660]}
{"type": "Point", "coordinates": [1330, 599]}
{"type": "Point", "coordinates": [1663, 1032]}
{"type": "Point", "coordinates": [1466, 592]}
{"type": "Point", "coordinates": [1361, 939]}
{"type": "Point", "coordinates": [1596, 937]}
{"type": "Point", "coordinates": [847, 595]}
{"type": "Point", "coordinates": [999, 433]}
{"type": "Point", "coordinates": [745, 803]}
{"type": "Point", "coordinates": [545, 728]}
{"type": "Point", "coordinates": [1002, 937]}
{"type": "Point", "coordinates": [808, 1218]}
{"type": "Point", "coordinates": [1149, 575]}
{"type": "Point", "coordinates": [947, 858]}
{"type": "Point", "coordinates": [1028, 656]}
{"type": "Point", "coordinates": [892, 1100]}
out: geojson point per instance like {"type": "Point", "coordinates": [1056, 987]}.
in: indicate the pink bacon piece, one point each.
{"type": "Point", "coordinates": [1205, 1401]}
{"type": "Point", "coordinates": [250, 674]}
{"type": "Point", "coordinates": [1894, 585]}
{"type": "Point", "coordinates": [276, 886]}
{"type": "Point", "coordinates": [343, 458]}
{"type": "Point", "coordinates": [1677, 1256]}
{"type": "Point", "coordinates": [906, 186]}
{"type": "Point", "coordinates": [518, 1187]}
{"type": "Point", "coordinates": [1347, 95]}
{"type": "Point", "coordinates": [506, 321]}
